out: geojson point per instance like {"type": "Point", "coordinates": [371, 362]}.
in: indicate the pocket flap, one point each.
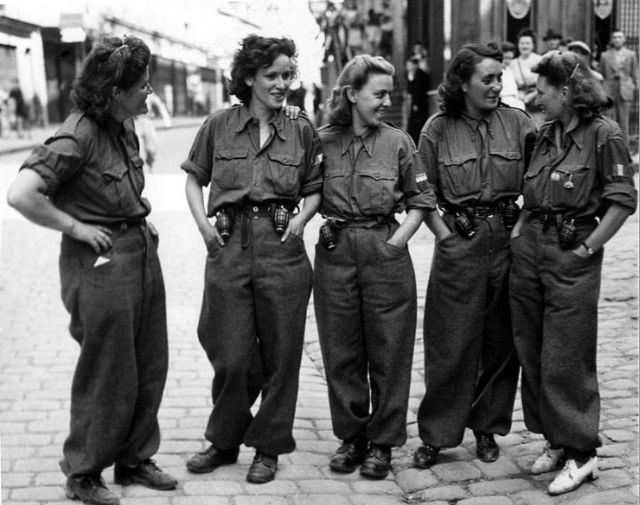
{"type": "Point", "coordinates": [507, 155]}
{"type": "Point", "coordinates": [230, 154]}
{"type": "Point", "coordinates": [286, 159]}
{"type": "Point", "coordinates": [459, 158]}
{"type": "Point", "coordinates": [116, 171]}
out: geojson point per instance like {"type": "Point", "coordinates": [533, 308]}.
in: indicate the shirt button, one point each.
{"type": "Point", "coordinates": [255, 209]}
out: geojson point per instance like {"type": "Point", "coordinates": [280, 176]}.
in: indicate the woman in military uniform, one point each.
{"type": "Point", "coordinates": [474, 152]}
{"type": "Point", "coordinates": [258, 164]}
{"type": "Point", "coordinates": [578, 191]}
{"type": "Point", "coordinates": [364, 290]}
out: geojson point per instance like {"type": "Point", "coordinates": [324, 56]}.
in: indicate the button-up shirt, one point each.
{"type": "Point", "coordinates": [227, 155]}
{"type": "Point", "coordinates": [92, 170]}
{"type": "Point", "coordinates": [474, 162]}
{"type": "Point", "coordinates": [373, 175]}
{"type": "Point", "coordinates": [580, 172]}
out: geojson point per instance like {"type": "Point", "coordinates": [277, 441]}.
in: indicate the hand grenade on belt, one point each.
{"type": "Point", "coordinates": [328, 235]}
{"type": "Point", "coordinates": [509, 211]}
{"type": "Point", "coordinates": [464, 224]}
{"type": "Point", "coordinates": [280, 219]}
{"type": "Point", "coordinates": [224, 224]}
{"type": "Point", "coordinates": [567, 234]}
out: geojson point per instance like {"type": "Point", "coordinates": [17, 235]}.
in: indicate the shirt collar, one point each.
{"type": "Point", "coordinates": [277, 120]}
{"type": "Point", "coordinates": [367, 139]}
{"type": "Point", "coordinates": [576, 131]}
{"type": "Point", "coordinates": [113, 127]}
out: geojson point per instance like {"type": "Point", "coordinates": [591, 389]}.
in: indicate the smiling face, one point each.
{"type": "Point", "coordinates": [132, 101]}
{"type": "Point", "coordinates": [270, 85]}
{"type": "Point", "coordinates": [482, 91]}
{"type": "Point", "coordinates": [525, 45]}
{"type": "Point", "coordinates": [550, 99]}
{"type": "Point", "coordinates": [369, 103]}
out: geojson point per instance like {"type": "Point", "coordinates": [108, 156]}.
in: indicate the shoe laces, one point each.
{"type": "Point", "coordinates": [150, 464]}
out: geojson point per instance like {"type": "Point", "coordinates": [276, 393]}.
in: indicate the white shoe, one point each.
{"type": "Point", "coordinates": [571, 476]}
{"type": "Point", "coordinates": [548, 461]}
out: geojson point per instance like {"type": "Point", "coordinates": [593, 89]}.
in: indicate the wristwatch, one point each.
{"type": "Point", "coordinates": [590, 251]}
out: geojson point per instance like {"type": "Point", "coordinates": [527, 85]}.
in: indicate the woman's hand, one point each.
{"type": "Point", "coordinates": [581, 252]}
{"type": "Point", "coordinates": [98, 237]}
{"type": "Point", "coordinates": [210, 235]}
{"type": "Point", "coordinates": [295, 227]}
{"type": "Point", "coordinates": [292, 111]}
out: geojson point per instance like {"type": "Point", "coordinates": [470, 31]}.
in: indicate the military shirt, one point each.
{"type": "Point", "coordinates": [581, 173]}
{"type": "Point", "coordinates": [226, 154]}
{"type": "Point", "coordinates": [92, 170]}
{"type": "Point", "coordinates": [373, 175]}
{"type": "Point", "coordinates": [474, 162]}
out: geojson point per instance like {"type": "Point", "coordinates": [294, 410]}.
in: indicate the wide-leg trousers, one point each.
{"type": "Point", "coordinates": [252, 328]}
{"type": "Point", "coordinates": [471, 370]}
{"type": "Point", "coordinates": [554, 301]}
{"type": "Point", "coordinates": [118, 316]}
{"type": "Point", "coordinates": [365, 305]}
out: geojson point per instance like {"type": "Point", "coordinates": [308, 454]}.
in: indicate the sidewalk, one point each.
{"type": "Point", "coordinates": [9, 143]}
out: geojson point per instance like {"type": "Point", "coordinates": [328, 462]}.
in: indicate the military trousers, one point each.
{"type": "Point", "coordinates": [252, 328]}
{"type": "Point", "coordinates": [365, 305]}
{"type": "Point", "coordinates": [118, 316]}
{"type": "Point", "coordinates": [471, 369]}
{"type": "Point", "coordinates": [554, 301]}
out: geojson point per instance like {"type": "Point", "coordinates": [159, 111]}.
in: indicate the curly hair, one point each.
{"type": "Point", "coordinates": [526, 32]}
{"type": "Point", "coordinates": [112, 63]}
{"type": "Point", "coordinates": [257, 52]}
{"type": "Point", "coordinates": [354, 75]}
{"type": "Point", "coordinates": [463, 66]}
{"type": "Point", "coordinates": [567, 69]}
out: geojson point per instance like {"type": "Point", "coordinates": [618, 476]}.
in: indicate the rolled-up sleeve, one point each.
{"type": "Point", "coordinates": [56, 161]}
{"type": "Point", "coordinates": [616, 171]}
{"type": "Point", "coordinates": [414, 182]}
{"type": "Point", "coordinates": [314, 160]}
{"type": "Point", "coordinates": [200, 159]}
{"type": "Point", "coordinates": [428, 154]}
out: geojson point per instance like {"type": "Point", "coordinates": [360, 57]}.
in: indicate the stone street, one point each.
{"type": "Point", "coordinates": [37, 359]}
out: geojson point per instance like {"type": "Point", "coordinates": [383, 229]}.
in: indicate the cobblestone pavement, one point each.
{"type": "Point", "coordinates": [37, 358]}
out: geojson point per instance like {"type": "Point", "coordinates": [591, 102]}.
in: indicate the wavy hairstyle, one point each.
{"type": "Point", "coordinates": [112, 63]}
{"type": "Point", "coordinates": [354, 75]}
{"type": "Point", "coordinates": [257, 52]}
{"type": "Point", "coordinates": [566, 68]}
{"type": "Point", "coordinates": [462, 67]}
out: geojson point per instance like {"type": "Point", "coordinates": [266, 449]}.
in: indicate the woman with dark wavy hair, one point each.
{"type": "Point", "coordinates": [474, 152]}
{"type": "Point", "coordinates": [365, 293]}
{"type": "Point", "coordinates": [86, 181]}
{"type": "Point", "coordinates": [578, 192]}
{"type": "Point", "coordinates": [258, 165]}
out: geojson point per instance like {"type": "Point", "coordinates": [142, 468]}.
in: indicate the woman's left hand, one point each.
{"type": "Point", "coordinates": [396, 242]}
{"type": "Point", "coordinates": [295, 227]}
{"type": "Point", "coordinates": [581, 252]}
{"type": "Point", "coordinates": [292, 111]}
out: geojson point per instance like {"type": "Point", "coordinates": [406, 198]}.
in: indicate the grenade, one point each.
{"type": "Point", "coordinates": [464, 224]}
{"type": "Point", "coordinates": [328, 235]}
{"type": "Point", "coordinates": [509, 212]}
{"type": "Point", "coordinates": [567, 234]}
{"type": "Point", "coordinates": [280, 219]}
{"type": "Point", "coordinates": [224, 224]}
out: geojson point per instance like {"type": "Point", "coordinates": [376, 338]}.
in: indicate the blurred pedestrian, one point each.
{"type": "Point", "coordinates": [18, 110]}
{"type": "Point", "coordinates": [147, 137]}
{"type": "Point", "coordinates": [258, 165]}
{"type": "Point", "coordinates": [475, 153]}
{"type": "Point", "coordinates": [364, 285]}
{"type": "Point", "coordinates": [525, 78]}
{"type": "Point", "coordinates": [552, 40]}
{"type": "Point", "coordinates": [578, 192]}
{"type": "Point", "coordinates": [418, 85]}
{"type": "Point", "coordinates": [86, 181]}
{"type": "Point", "coordinates": [619, 67]}
{"type": "Point", "coordinates": [509, 93]}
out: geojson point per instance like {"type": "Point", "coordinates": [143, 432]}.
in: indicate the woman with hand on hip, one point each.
{"type": "Point", "coordinates": [578, 192]}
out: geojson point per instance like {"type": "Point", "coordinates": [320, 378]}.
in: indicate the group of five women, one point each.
{"type": "Point", "coordinates": [506, 286]}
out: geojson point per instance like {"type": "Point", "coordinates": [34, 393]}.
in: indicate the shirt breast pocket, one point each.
{"type": "Point", "coordinates": [230, 168]}
{"type": "Point", "coordinates": [460, 175]}
{"type": "Point", "coordinates": [114, 184]}
{"type": "Point", "coordinates": [374, 190]}
{"type": "Point", "coordinates": [570, 186]}
{"type": "Point", "coordinates": [506, 171]}
{"type": "Point", "coordinates": [284, 173]}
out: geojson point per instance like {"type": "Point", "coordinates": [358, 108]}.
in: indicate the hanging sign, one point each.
{"type": "Point", "coordinates": [519, 8]}
{"type": "Point", "coordinates": [602, 8]}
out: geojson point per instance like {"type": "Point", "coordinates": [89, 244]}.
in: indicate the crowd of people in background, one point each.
{"type": "Point", "coordinates": [16, 113]}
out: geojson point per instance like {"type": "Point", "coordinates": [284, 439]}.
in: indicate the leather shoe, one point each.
{"type": "Point", "coordinates": [486, 447]}
{"type": "Point", "coordinates": [349, 455]}
{"type": "Point", "coordinates": [571, 477]}
{"type": "Point", "coordinates": [91, 489]}
{"type": "Point", "coordinates": [263, 469]}
{"type": "Point", "coordinates": [425, 456]}
{"type": "Point", "coordinates": [146, 473]}
{"type": "Point", "coordinates": [207, 461]}
{"type": "Point", "coordinates": [377, 461]}
{"type": "Point", "coordinates": [548, 461]}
